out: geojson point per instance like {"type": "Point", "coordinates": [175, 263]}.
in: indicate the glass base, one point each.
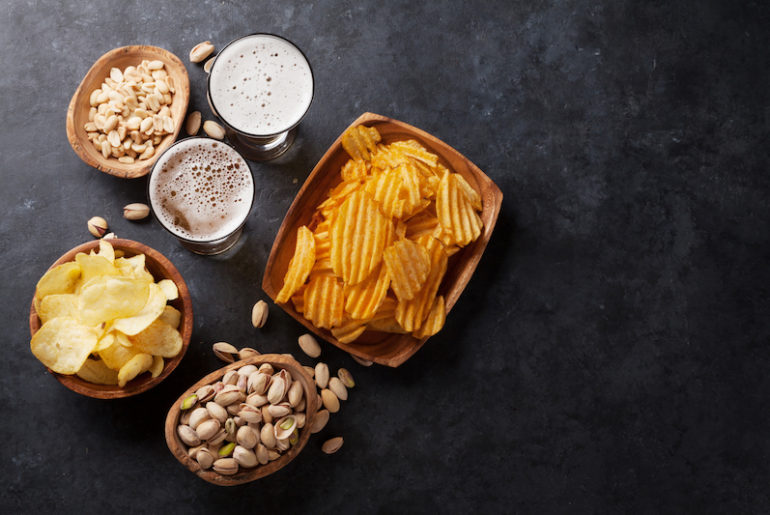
{"type": "Point", "coordinates": [209, 248]}
{"type": "Point", "coordinates": [261, 149]}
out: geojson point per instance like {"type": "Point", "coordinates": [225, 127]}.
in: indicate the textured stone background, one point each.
{"type": "Point", "coordinates": [611, 352]}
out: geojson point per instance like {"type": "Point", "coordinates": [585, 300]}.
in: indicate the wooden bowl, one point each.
{"type": "Point", "coordinates": [179, 449]}
{"type": "Point", "coordinates": [77, 113]}
{"type": "Point", "coordinates": [160, 268]}
{"type": "Point", "coordinates": [383, 348]}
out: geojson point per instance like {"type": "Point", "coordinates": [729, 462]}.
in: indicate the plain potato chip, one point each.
{"type": "Point", "coordinates": [169, 288]}
{"type": "Point", "coordinates": [106, 250]}
{"type": "Point", "coordinates": [117, 354]}
{"type": "Point", "coordinates": [435, 320]}
{"type": "Point", "coordinates": [299, 266]}
{"type": "Point", "coordinates": [171, 316]}
{"type": "Point", "coordinates": [408, 265]}
{"type": "Point", "coordinates": [122, 339]}
{"type": "Point", "coordinates": [106, 341]}
{"type": "Point", "coordinates": [324, 301]}
{"type": "Point", "coordinates": [133, 367]}
{"type": "Point", "coordinates": [59, 279]}
{"type": "Point", "coordinates": [157, 366]}
{"type": "Point", "coordinates": [95, 371]}
{"type": "Point", "coordinates": [159, 339]}
{"type": "Point", "coordinates": [57, 305]}
{"type": "Point", "coordinates": [153, 308]}
{"type": "Point", "coordinates": [109, 297]}
{"type": "Point", "coordinates": [93, 266]}
{"type": "Point", "coordinates": [63, 344]}
{"type": "Point", "coordinates": [134, 267]}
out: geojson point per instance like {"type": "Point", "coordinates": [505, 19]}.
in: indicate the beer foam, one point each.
{"type": "Point", "coordinates": [261, 85]}
{"type": "Point", "coordinates": [201, 189]}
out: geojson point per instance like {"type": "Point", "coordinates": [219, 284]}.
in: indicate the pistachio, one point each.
{"type": "Point", "coordinates": [242, 382]}
{"type": "Point", "coordinates": [233, 408]}
{"type": "Point", "coordinates": [346, 377]}
{"type": "Point", "coordinates": [97, 226]}
{"type": "Point", "coordinates": [239, 421]}
{"type": "Point", "coordinates": [336, 386]}
{"type": "Point", "coordinates": [258, 382]}
{"type": "Point", "coordinates": [226, 466]}
{"type": "Point", "coordinates": [245, 457]}
{"type": "Point", "coordinates": [310, 371]}
{"type": "Point", "coordinates": [208, 428]}
{"type": "Point", "coordinates": [295, 394]}
{"type": "Point", "coordinates": [247, 370]}
{"type": "Point", "coordinates": [230, 377]}
{"type": "Point", "coordinates": [184, 418]}
{"type": "Point", "coordinates": [197, 416]}
{"type": "Point", "coordinates": [266, 368]}
{"type": "Point", "coordinates": [136, 211]}
{"type": "Point", "coordinates": [218, 438]}
{"type": "Point", "coordinates": [213, 129]}
{"type": "Point", "coordinates": [330, 401]}
{"type": "Point", "coordinates": [259, 314]}
{"type": "Point", "coordinates": [189, 401]}
{"type": "Point", "coordinates": [226, 450]}
{"type": "Point", "coordinates": [225, 351]}
{"type": "Point", "coordinates": [216, 411]}
{"type": "Point", "coordinates": [301, 406]}
{"type": "Point", "coordinates": [277, 390]}
{"type": "Point", "coordinates": [262, 454]}
{"type": "Point", "coordinates": [285, 427]}
{"type": "Point", "coordinates": [193, 450]}
{"type": "Point", "coordinates": [267, 436]}
{"type": "Point", "coordinates": [201, 51]}
{"type": "Point", "coordinates": [267, 418]}
{"type": "Point", "coordinates": [205, 458]}
{"type": "Point", "coordinates": [309, 345]}
{"type": "Point", "coordinates": [205, 393]}
{"type": "Point", "coordinates": [279, 410]}
{"type": "Point", "coordinates": [282, 445]}
{"type": "Point", "coordinates": [361, 361]}
{"type": "Point", "coordinates": [301, 418]}
{"type": "Point", "coordinates": [332, 445]}
{"type": "Point", "coordinates": [273, 455]}
{"type": "Point", "coordinates": [321, 375]}
{"type": "Point", "coordinates": [188, 435]}
{"type": "Point", "coordinates": [319, 421]}
{"type": "Point", "coordinates": [257, 400]}
{"type": "Point", "coordinates": [193, 123]}
{"type": "Point", "coordinates": [246, 437]}
{"type": "Point", "coordinates": [247, 352]}
{"type": "Point", "coordinates": [110, 235]}
{"type": "Point", "coordinates": [250, 414]}
{"type": "Point", "coordinates": [230, 427]}
{"type": "Point", "coordinates": [229, 394]}
{"type": "Point", "coordinates": [208, 64]}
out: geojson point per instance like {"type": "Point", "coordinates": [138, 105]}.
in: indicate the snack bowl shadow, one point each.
{"type": "Point", "coordinates": [160, 268]}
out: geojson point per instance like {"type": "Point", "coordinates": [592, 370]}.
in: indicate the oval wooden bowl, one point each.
{"type": "Point", "coordinates": [383, 348]}
{"type": "Point", "coordinates": [179, 449]}
{"type": "Point", "coordinates": [77, 113]}
{"type": "Point", "coordinates": [160, 268]}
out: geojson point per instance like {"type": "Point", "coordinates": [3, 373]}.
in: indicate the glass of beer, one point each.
{"type": "Point", "coordinates": [201, 190]}
{"type": "Point", "coordinates": [260, 87]}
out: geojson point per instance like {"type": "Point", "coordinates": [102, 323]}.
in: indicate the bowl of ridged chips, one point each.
{"type": "Point", "coordinates": [381, 239]}
{"type": "Point", "coordinates": [111, 319]}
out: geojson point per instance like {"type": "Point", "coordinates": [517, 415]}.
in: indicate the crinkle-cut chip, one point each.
{"type": "Point", "coordinates": [156, 302]}
{"type": "Point", "coordinates": [123, 339]}
{"type": "Point", "coordinates": [117, 355]}
{"type": "Point", "coordinates": [408, 265]}
{"type": "Point", "coordinates": [157, 366]}
{"type": "Point", "coordinates": [363, 299]}
{"type": "Point", "coordinates": [106, 250]}
{"type": "Point", "coordinates": [455, 212]}
{"type": "Point", "coordinates": [57, 305]}
{"type": "Point", "coordinates": [386, 158]}
{"type": "Point", "coordinates": [94, 266]}
{"type": "Point", "coordinates": [298, 300]}
{"type": "Point", "coordinates": [410, 188]}
{"type": "Point", "coordinates": [471, 194]}
{"type": "Point", "coordinates": [413, 149]}
{"type": "Point", "coordinates": [133, 367]}
{"type": "Point", "coordinates": [360, 142]}
{"type": "Point", "coordinates": [399, 232]}
{"type": "Point", "coordinates": [435, 320]}
{"type": "Point", "coordinates": [442, 235]}
{"type": "Point", "coordinates": [422, 223]}
{"type": "Point", "coordinates": [105, 342]}
{"type": "Point", "coordinates": [171, 316]}
{"type": "Point", "coordinates": [170, 291]}
{"type": "Point", "coordinates": [359, 235]}
{"type": "Point", "coordinates": [59, 279]}
{"type": "Point", "coordinates": [349, 330]}
{"type": "Point", "coordinates": [411, 313]}
{"type": "Point", "coordinates": [322, 267]}
{"type": "Point", "coordinates": [337, 196]}
{"type": "Point", "coordinates": [134, 267]}
{"type": "Point", "coordinates": [385, 189]}
{"type": "Point", "coordinates": [63, 344]}
{"type": "Point", "coordinates": [95, 371]}
{"type": "Point", "coordinates": [354, 170]}
{"type": "Point", "coordinates": [299, 266]}
{"type": "Point", "coordinates": [451, 250]}
{"type": "Point", "coordinates": [323, 245]}
{"type": "Point", "coordinates": [106, 298]}
{"type": "Point", "coordinates": [386, 325]}
{"type": "Point", "coordinates": [324, 301]}
{"type": "Point", "coordinates": [159, 339]}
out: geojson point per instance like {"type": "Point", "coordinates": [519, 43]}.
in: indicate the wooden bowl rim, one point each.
{"type": "Point", "coordinates": [177, 447]}
{"type": "Point", "coordinates": [143, 382]}
{"type": "Point", "coordinates": [112, 167]}
{"type": "Point", "coordinates": [492, 196]}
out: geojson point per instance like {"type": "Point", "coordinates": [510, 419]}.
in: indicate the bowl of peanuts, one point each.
{"type": "Point", "coordinates": [128, 109]}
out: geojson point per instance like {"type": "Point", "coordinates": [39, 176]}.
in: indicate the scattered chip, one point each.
{"type": "Point", "coordinates": [299, 266]}
{"type": "Point", "coordinates": [63, 344]}
{"type": "Point", "coordinates": [324, 301]}
{"type": "Point", "coordinates": [95, 371]}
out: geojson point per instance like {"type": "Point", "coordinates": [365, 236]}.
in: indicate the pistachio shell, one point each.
{"type": "Point", "coordinates": [336, 386]}
{"type": "Point", "coordinates": [205, 458]}
{"type": "Point", "coordinates": [245, 457]}
{"type": "Point", "coordinates": [256, 400]}
{"type": "Point", "coordinates": [277, 390]}
{"type": "Point", "coordinates": [285, 427]}
{"type": "Point", "coordinates": [266, 368]}
{"type": "Point", "coordinates": [262, 454]}
{"type": "Point", "coordinates": [229, 394]}
{"type": "Point", "coordinates": [247, 370]}
{"type": "Point", "coordinates": [319, 421]}
{"type": "Point", "coordinates": [226, 466]}
{"type": "Point", "coordinates": [346, 377]}
{"type": "Point", "coordinates": [250, 414]}
{"type": "Point", "coordinates": [197, 416]}
{"type": "Point", "coordinates": [188, 435]}
{"type": "Point", "coordinates": [330, 401]}
{"type": "Point", "coordinates": [205, 393]}
{"type": "Point", "coordinates": [279, 410]}
{"type": "Point", "coordinates": [225, 351]}
{"type": "Point", "coordinates": [230, 377]}
{"type": "Point", "coordinates": [295, 394]}
{"type": "Point", "coordinates": [332, 445]}
{"type": "Point", "coordinates": [246, 437]}
{"type": "Point", "coordinates": [208, 428]}
{"type": "Point", "coordinates": [267, 436]}
{"type": "Point", "coordinates": [258, 383]}
{"type": "Point", "coordinates": [216, 411]}
{"type": "Point", "coordinates": [321, 375]}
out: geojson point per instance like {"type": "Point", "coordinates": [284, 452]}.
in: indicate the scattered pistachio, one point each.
{"type": "Point", "coordinates": [259, 314]}
{"type": "Point", "coordinates": [110, 236]}
{"type": "Point", "coordinates": [332, 445]}
{"type": "Point", "coordinates": [97, 226]}
{"type": "Point", "coordinates": [213, 129]}
{"type": "Point", "coordinates": [309, 345]}
{"type": "Point", "coordinates": [346, 377]}
{"type": "Point", "coordinates": [336, 386]}
{"type": "Point", "coordinates": [225, 351]}
{"type": "Point", "coordinates": [247, 352]}
{"type": "Point", "coordinates": [136, 211]}
{"type": "Point", "coordinates": [330, 401]}
{"type": "Point", "coordinates": [361, 361]}
{"type": "Point", "coordinates": [193, 123]}
{"type": "Point", "coordinates": [208, 64]}
{"type": "Point", "coordinates": [321, 375]}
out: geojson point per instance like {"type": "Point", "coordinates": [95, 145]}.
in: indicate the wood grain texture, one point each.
{"type": "Point", "coordinates": [160, 268]}
{"type": "Point", "coordinates": [383, 348]}
{"type": "Point", "coordinates": [278, 361]}
{"type": "Point", "coordinates": [77, 113]}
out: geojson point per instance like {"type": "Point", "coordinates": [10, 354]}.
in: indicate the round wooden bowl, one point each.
{"type": "Point", "coordinates": [77, 113]}
{"type": "Point", "coordinates": [179, 449]}
{"type": "Point", "coordinates": [160, 268]}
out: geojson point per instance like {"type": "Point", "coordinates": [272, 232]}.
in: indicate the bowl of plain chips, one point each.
{"type": "Point", "coordinates": [111, 318]}
{"type": "Point", "coordinates": [381, 239]}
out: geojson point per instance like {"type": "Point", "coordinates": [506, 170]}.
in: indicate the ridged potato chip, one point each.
{"type": "Point", "coordinates": [363, 299]}
{"type": "Point", "coordinates": [385, 318]}
{"type": "Point", "coordinates": [408, 265]}
{"type": "Point", "coordinates": [354, 170]}
{"type": "Point", "coordinates": [108, 297]}
{"type": "Point", "coordinates": [349, 330]}
{"type": "Point", "coordinates": [299, 266]}
{"type": "Point", "coordinates": [411, 313]}
{"type": "Point", "coordinates": [59, 279]}
{"type": "Point", "coordinates": [324, 301]}
{"type": "Point", "coordinates": [171, 316]}
{"type": "Point", "coordinates": [159, 339]}
{"type": "Point", "coordinates": [63, 344]}
{"type": "Point", "coordinates": [57, 305]}
{"type": "Point", "coordinates": [456, 213]}
{"type": "Point", "coordinates": [435, 320]}
{"type": "Point", "coordinates": [95, 371]}
{"type": "Point", "coordinates": [360, 142]}
{"type": "Point", "coordinates": [153, 308]}
{"type": "Point", "coordinates": [298, 300]}
{"type": "Point", "coordinates": [133, 367]}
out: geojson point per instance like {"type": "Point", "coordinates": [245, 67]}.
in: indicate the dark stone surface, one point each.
{"type": "Point", "coordinates": [611, 353]}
